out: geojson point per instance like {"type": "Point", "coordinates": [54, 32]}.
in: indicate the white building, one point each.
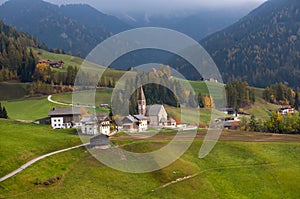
{"type": "Point", "coordinates": [136, 123]}
{"type": "Point", "coordinates": [62, 118]}
{"type": "Point", "coordinates": [95, 124]}
{"type": "Point", "coordinates": [157, 115]}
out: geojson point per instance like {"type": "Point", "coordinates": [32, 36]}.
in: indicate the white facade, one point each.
{"type": "Point", "coordinates": [143, 125]}
{"type": "Point", "coordinates": [58, 123]}
{"type": "Point", "coordinates": [105, 127]}
{"type": "Point", "coordinates": [92, 125]}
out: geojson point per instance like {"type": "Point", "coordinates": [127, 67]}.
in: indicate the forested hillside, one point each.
{"type": "Point", "coordinates": [262, 48]}
{"type": "Point", "coordinates": [16, 61]}
{"type": "Point", "coordinates": [76, 29]}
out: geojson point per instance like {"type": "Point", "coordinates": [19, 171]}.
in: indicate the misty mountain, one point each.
{"type": "Point", "coordinates": [73, 28]}
{"type": "Point", "coordinates": [196, 24]}
{"type": "Point", "coordinates": [263, 47]}
{"type": "Point", "coordinates": [16, 61]}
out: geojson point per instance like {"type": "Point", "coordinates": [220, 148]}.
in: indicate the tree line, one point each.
{"type": "Point", "coordinates": [282, 95]}
{"type": "Point", "coordinates": [239, 94]}
{"type": "Point", "coordinates": [3, 112]}
{"type": "Point", "coordinates": [163, 89]}
{"type": "Point", "coordinates": [276, 123]}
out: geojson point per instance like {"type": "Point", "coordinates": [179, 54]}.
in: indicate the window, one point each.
{"type": "Point", "coordinates": [58, 120]}
{"type": "Point", "coordinates": [54, 120]}
{"type": "Point", "coordinates": [54, 124]}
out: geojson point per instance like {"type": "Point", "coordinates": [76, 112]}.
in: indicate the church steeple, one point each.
{"type": "Point", "coordinates": [142, 102]}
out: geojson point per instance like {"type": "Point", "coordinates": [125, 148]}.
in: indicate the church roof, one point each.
{"type": "Point", "coordinates": [131, 118]}
{"type": "Point", "coordinates": [140, 117]}
{"type": "Point", "coordinates": [92, 118]}
{"type": "Point", "coordinates": [142, 95]}
{"type": "Point", "coordinates": [153, 110]}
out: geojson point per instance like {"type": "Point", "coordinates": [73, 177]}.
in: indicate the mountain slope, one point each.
{"type": "Point", "coordinates": [73, 28]}
{"type": "Point", "coordinates": [263, 47]}
{"type": "Point", "coordinates": [196, 24]}
{"type": "Point", "coordinates": [16, 61]}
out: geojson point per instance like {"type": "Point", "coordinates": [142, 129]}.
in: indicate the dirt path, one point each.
{"type": "Point", "coordinates": [37, 159]}
{"type": "Point", "coordinates": [66, 104]}
{"type": "Point", "coordinates": [237, 136]}
{"type": "Point", "coordinates": [206, 170]}
{"type": "Point", "coordinates": [56, 102]}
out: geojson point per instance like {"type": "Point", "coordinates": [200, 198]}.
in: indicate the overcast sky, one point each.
{"type": "Point", "coordinates": [112, 6]}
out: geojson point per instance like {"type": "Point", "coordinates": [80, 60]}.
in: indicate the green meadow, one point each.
{"type": "Point", "coordinates": [29, 109]}
{"type": "Point", "coordinates": [22, 142]}
{"type": "Point", "coordinates": [231, 170]}
{"type": "Point", "coordinates": [19, 90]}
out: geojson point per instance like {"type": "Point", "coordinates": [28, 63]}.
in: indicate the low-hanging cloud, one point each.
{"type": "Point", "coordinates": [158, 5]}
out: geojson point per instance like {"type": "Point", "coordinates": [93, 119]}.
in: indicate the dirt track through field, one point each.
{"type": "Point", "coordinates": [225, 136]}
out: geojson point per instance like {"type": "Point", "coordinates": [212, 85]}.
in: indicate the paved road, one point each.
{"type": "Point", "coordinates": [37, 159]}
{"type": "Point", "coordinates": [66, 104]}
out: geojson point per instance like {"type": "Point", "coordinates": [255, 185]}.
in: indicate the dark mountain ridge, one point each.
{"type": "Point", "coordinates": [263, 47]}
{"type": "Point", "coordinates": [74, 28]}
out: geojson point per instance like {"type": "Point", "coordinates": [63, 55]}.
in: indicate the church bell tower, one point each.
{"type": "Point", "coordinates": [142, 102]}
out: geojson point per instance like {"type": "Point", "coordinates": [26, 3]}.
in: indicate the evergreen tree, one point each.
{"type": "Point", "coordinates": [1, 111]}
{"type": "Point", "coordinates": [297, 103]}
{"type": "Point", "coordinates": [4, 113]}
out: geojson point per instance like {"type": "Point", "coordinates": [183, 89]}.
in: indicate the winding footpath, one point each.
{"type": "Point", "coordinates": [66, 104]}
{"type": "Point", "coordinates": [37, 159]}
{"type": "Point", "coordinates": [56, 102]}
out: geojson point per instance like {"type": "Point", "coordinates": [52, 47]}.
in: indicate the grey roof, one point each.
{"type": "Point", "coordinates": [140, 117]}
{"type": "Point", "coordinates": [131, 118]}
{"type": "Point", "coordinates": [142, 95]}
{"type": "Point", "coordinates": [153, 110]}
{"type": "Point", "coordinates": [94, 118]}
{"type": "Point", "coordinates": [171, 120]}
{"type": "Point", "coordinates": [64, 111]}
{"type": "Point", "coordinates": [163, 119]}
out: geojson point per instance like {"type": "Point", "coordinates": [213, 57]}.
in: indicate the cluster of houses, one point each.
{"type": "Point", "coordinates": [53, 64]}
{"type": "Point", "coordinates": [94, 124]}
{"type": "Point", "coordinates": [286, 110]}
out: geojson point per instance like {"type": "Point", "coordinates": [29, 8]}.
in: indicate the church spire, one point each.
{"type": "Point", "coordinates": [142, 102]}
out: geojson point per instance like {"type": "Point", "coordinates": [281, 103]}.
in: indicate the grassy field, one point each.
{"type": "Point", "coordinates": [68, 59]}
{"type": "Point", "coordinates": [191, 115]}
{"type": "Point", "coordinates": [75, 61]}
{"type": "Point", "coordinates": [103, 96]}
{"type": "Point", "coordinates": [19, 90]}
{"type": "Point", "coordinates": [22, 142]}
{"type": "Point", "coordinates": [30, 109]}
{"type": "Point", "coordinates": [261, 109]}
{"type": "Point", "coordinates": [231, 170]}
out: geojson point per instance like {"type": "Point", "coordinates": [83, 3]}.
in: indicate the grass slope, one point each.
{"type": "Point", "coordinates": [30, 109]}
{"type": "Point", "coordinates": [231, 170]}
{"type": "Point", "coordinates": [76, 61]}
{"type": "Point", "coordinates": [19, 90]}
{"type": "Point", "coordinates": [103, 96]}
{"type": "Point", "coordinates": [22, 142]}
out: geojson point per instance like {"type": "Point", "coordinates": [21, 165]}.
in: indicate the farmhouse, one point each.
{"type": "Point", "coordinates": [95, 124]}
{"type": "Point", "coordinates": [53, 64]}
{"type": "Point", "coordinates": [136, 123]}
{"type": "Point", "coordinates": [99, 141]}
{"type": "Point", "coordinates": [57, 64]}
{"type": "Point", "coordinates": [62, 118]}
{"type": "Point", "coordinates": [228, 111]}
{"type": "Point", "coordinates": [286, 109]}
{"type": "Point", "coordinates": [228, 122]}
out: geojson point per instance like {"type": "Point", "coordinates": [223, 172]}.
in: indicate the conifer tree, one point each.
{"type": "Point", "coordinates": [4, 113]}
